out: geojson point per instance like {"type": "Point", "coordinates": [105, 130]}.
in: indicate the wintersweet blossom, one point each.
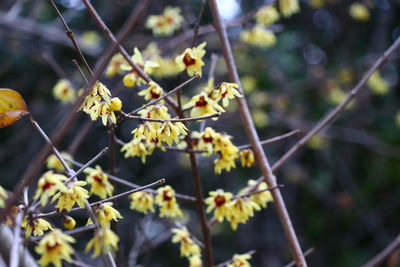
{"type": "Point", "coordinates": [169, 132]}
{"type": "Point", "coordinates": [138, 148]}
{"type": "Point", "coordinates": [153, 91]}
{"type": "Point", "coordinates": [35, 226]}
{"type": "Point", "coordinates": [202, 105]}
{"type": "Point", "coordinates": [188, 246]}
{"type": "Point", "coordinates": [55, 247]}
{"type": "Point", "coordinates": [195, 261]}
{"type": "Point", "coordinates": [105, 213]}
{"type": "Point", "coordinates": [54, 163]}
{"type": "Point", "coordinates": [240, 260]}
{"type": "Point", "coordinates": [258, 36]}
{"type": "Point", "coordinates": [289, 7]}
{"type": "Point", "coordinates": [133, 78]}
{"type": "Point", "coordinates": [166, 23]}
{"type": "Point", "coordinates": [64, 91]}
{"type": "Point", "coordinates": [48, 185]}
{"type": "Point", "coordinates": [247, 158]}
{"type": "Point", "coordinates": [191, 60]}
{"type": "Point", "coordinates": [207, 139]}
{"type": "Point", "coordinates": [262, 198]}
{"type": "Point", "coordinates": [142, 201]}
{"type": "Point", "coordinates": [104, 241]}
{"type": "Point", "coordinates": [267, 15]}
{"type": "Point", "coordinates": [241, 210]}
{"type": "Point", "coordinates": [227, 91]}
{"type": "Point", "coordinates": [114, 67]}
{"type": "Point", "coordinates": [228, 153]}
{"type": "Point", "coordinates": [68, 222]}
{"type": "Point", "coordinates": [98, 180]}
{"type": "Point", "coordinates": [73, 193]}
{"type": "Point", "coordinates": [146, 131]}
{"type": "Point", "coordinates": [219, 202]}
{"type": "Point", "coordinates": [166, 200]}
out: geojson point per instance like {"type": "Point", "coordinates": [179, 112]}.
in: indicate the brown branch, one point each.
{"type": "Point", "coordinates": [15, 248]}
{"type": "Point", "coordinates": [36, 165]}
{"type": "Point", "coordinates": [384, 254]}
{"type": "Point", "coordinates": [248, 124]}
{"type": "Point", "coordinates": [69, 232]}
{"type": "Point", "coordinates": [196, 27]}
{"type": "Point", "coordinates": [306, 253]}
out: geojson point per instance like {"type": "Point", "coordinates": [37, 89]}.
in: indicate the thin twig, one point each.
{"type": "Point", "coordinates": [132, 117]}
{"type": "Point", "coordinates": [75, 231]}
{"type": "Point", "coordinates": [15, 248]}
{"type": "Point", "coordinates": [306, 253]}
{"type": "Point", "coordinates": [76, 64]}
{"type": "Point", "coordinates": [384, 254]}
{"type": "Point", "coordinates": [258, 191]}
{"type": "Point", "coordinates": [272, 140]}
{"type": "Point", "coordinates": [70, 35]}
{"type": "Point", "coordinates": [197, 25]}
{"type": "Point", "coordinates": [248, 124]}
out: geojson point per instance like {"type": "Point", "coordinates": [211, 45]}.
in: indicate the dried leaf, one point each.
{"type": "Point", "coordinates": [12, 107]}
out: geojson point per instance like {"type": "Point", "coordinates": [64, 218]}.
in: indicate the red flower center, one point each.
{"type": "Point", "coordinates": [201, 102]}
{"type": "Point", "coordinates": [188, 60]}
{"type": "Point", "coordinates": [219, 200]}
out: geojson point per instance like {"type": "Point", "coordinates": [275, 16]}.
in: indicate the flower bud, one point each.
{"type": "Point", "coordinates": [68, 222]}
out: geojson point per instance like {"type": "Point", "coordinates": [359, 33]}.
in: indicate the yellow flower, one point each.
{"type": "Point", "coordinates": [146, 131]}
{"type": "Point", "coordinates": [166, 23]}
{"type": "Point", "coordinates": [202, 105]}
{"type": "Point", "coordinates": [240, 260]}
{"type": "Point", "coordinates": [228, 153]}
{"type": "Point", "coordinates": [64, 92]}
{"type": "Point", "coordinates": [224, 163]}
{"type": "Point", "coordinates": [359, 12]}
{"type": "Point", "coordinates": [262, 198]}
{"type": "Point", "coordinates": [247, 158]}
{"type": "Point", "coordinates": [55, 247]}
{"type": "Point", "coordinates": [219, 202]}
{"type": "Point", "coordinates": [104, 111]}
{"type": "Point", "coordinates": [166, 200]}
{"type": "Point", "coordinates": [241, 210]}
{"type": "Point", "coordinates": [114, 67]}
{"type": "Point", "coordinates": [142, 201]}
{"type": "Point", "coordinates": [133, 78]}
{"type": "Point", "coordinates": [154, 91]}
{"type": "Point", "coordinates": [191, 60]}
{"type": "Point", "coordinates": [68, 222]}
{"type": "Point", "coordinates": [98, 180]}
{"type": "Point", "coordinates": [169, 132]}
{"type": "Point", "coordinates": [267, 15]}
{"type": "Point", "coordinates": [105, 213]}
{"type": "Point", "coordinates": [90, 39]}
{"type": "Point", "coordinates": [195, 261]}
{"type": "Point", "coordinates": [3, 197]}
{"type": "Point", "coordinates": [48, 185]}
{"type": "Point", "coordinates": [36, 226]}
{"type": "Point", "coordinates": [138, 148]}
{"type": "Point", "coordinates": [289, 7]}
{"type": "Point", "coordinates": [317, 3]}
{"type": "Point", "coordinates": [188, 246]}
{"type": "Point", "coordinates": [207, 139]}
{"type": "Point", "coordinates": [227, 91]}
{"type": "Point", "coordinates": [104, 241]}
{"type": "Point", "coordinates": [377, 84]}
{"type": "Point", "coordinates": [73, 193]}
{"type": "Point", "coordinates": [155, 112]}
{"type": "Point", "coordinates": [54, 163]}
{"type": "Point", "coordinates": [115, 104]}
{"type": "Point", "coordinates": [258, 36]}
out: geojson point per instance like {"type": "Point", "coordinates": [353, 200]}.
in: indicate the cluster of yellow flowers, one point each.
{"type": "Point", "coordinates": [166, 23]}
{"type": "Point", "coordinates": [99, 103]}
{"type": "Point", "coordinates": [144, 201]}
{"type": "Point", "coordinates": [149, 135]}
{"type": "Point", "coordinates": [64, 91]}
{"type": "Point", "coordinates": [104, 241]}
{"type": "Point", "coordinates": [240, 209]}
{"type": "Point", "coordinates": [35, 226]}
{"type": "Point", "coordinates": [188, 247]}
{"type": "Point", "coordinates": [261, 36]}
{"type": "Point", "coordinates": [213, 142]}
{"type": "Point", "coordinates": [98, 180]}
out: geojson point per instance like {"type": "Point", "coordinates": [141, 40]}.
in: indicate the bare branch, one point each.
{"type": "Point", "coordinates": [384, 254]}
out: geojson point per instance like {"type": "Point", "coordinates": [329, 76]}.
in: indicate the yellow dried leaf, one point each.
{"type": "Point", "coordinates": [12, 107]}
